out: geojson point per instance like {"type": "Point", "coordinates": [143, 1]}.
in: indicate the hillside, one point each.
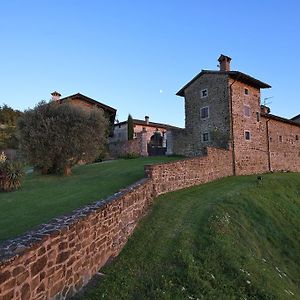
{"type": "Point", "coordinates": [230, 239]}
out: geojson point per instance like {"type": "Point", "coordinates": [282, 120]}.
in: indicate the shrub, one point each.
{"type": "Point", "coordinates": [11, 174]}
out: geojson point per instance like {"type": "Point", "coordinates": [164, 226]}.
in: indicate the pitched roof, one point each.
{"type": "Point", "coordinates": [232, 74]}
{"type": "Point", "coordinates": [89, 100]}
{"type": "Point", "coordinates": [296, 117]}
{"type": "Point", "coordinates": [280, 119]}
{"type": "Point", "coordinates": [144, 123]}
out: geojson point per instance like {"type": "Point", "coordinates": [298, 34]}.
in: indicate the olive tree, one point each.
{"type": "Point", "coordinates": [54, 137]}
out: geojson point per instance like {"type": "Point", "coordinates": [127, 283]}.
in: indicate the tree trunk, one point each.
{"type": "Point", "coordinates": [67, 171]}
{"type": "Point", "coordinates": [45, 171]}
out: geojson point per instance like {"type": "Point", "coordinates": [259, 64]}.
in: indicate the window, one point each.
{"type": "Point", "coordinates": [247, 135]}
{"type": "Point", "coordinates": [297, 137]}
{"type": "Point", "coordinates": [204, 112]}
{"type": "Point", "coordinates": [205, 137]}
{"type": "Point", "coordinates": [204, 93]}
{"type": "Point", "coordinates": [257, 116]}
{"type": "Point", "coordinates": [246, 92]}
{"type": "Point", "coordinates": [280, 138]}
{"type": "Point", "coordinates": [247, 111]}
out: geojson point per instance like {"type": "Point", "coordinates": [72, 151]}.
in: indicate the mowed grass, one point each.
{"type": "Point", "coordinates": [43, 197]}
{"type": "Point", "coordinates": [229, 239]}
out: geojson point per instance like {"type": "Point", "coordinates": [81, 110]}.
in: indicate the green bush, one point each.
{"type": "Point", "coordinates": [11, 174]}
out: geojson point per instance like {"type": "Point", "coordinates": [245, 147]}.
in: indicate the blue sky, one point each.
{"type": "Point", "coordinates": [135, 55]}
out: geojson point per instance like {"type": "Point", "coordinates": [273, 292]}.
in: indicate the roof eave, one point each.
{"type": "Point", "coordinates": [280, 119]}
{"type": "Point", "coordinates": [234, 74]}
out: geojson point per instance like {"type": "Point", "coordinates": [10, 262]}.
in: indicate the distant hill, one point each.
{"type": "Point", "coordinates": [237, 238]}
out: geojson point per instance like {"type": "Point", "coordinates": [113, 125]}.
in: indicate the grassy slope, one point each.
{"type": "Point", "coordinates": [44, 197]}
{"type": "Point", "coordinates": [229, 239]}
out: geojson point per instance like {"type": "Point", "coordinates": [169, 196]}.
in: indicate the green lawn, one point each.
{"type": "Point", "coordinates": [229, 239]}
{"type": "Point", "coordinates": [44, 197]}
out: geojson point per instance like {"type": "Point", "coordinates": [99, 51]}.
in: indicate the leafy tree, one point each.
{"type": "Point", "coordinates": [8, 122]}
{"type": "Point", "coordinates": [8, 115]}
{"type": "Point", "coordinates": [55, 137]}
{"type": "Point", "coordinates": [130, 129]}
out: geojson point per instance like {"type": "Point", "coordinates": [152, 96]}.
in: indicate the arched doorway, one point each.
{"type": "Point", "coordinates": [156, 145]}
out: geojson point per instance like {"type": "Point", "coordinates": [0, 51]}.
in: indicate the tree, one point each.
{"type": "Point", "coordinates": [130, 129]}
{"type": "Point", "coordinates": [8, 122]}
{"type": "Point", "coordinates": [55, 137]}
{"type": "Point", "coordinates": [8, 115]}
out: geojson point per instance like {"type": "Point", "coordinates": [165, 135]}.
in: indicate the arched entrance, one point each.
{"type": "Point", "coordinates": [156, 145]}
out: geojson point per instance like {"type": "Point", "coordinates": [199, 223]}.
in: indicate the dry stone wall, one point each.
{"type": "Point", "coordinates": [57, 259]}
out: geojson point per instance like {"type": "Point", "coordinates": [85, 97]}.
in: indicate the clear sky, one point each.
{"type": "Point", "coordinates": [135, 55]}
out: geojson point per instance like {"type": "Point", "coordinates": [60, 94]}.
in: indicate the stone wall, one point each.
{"type": "Point", "coordinates": [185, 173]}
{"type": "Point", "coordinates": [179, 142]}
{"type": "Point", "coordinates": [121, 148]}
{"type": "Point", "coordinates": [284, 144]}
{"type": "Point", "coordinates": [137, 146]}
{"type": "Point", "coordinates": [59, 258]}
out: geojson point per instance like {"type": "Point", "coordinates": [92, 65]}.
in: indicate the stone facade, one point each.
{"type": "Point", "coordinates": [218, 113]}
{"type": "Point", "coordinates": [250, 156]}
{"type": "Point", "coordinates": [143, 131]}
{"type": "Point", "coordinates": [235, 117]}
{"type": "Point", "coordinates": [57, 259]}
{"type": "Point", "coordinates": [190, 141]}
{"type": "Point", "coordinates": [284, 145]}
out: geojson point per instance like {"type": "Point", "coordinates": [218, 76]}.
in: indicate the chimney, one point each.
{"type": "Point", "coordinates": [147, 120]}
{"type": "Point", "coordinates": [224, 63]}
{"type": "Point", "coordinates": [55, 96]}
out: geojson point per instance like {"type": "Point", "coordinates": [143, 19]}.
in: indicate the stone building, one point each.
{"type": "Point", "coordinates": [149, 138]}
{"type": "Point", "coordinates": [87, 103]}
{"type": "Point", "coordinates": [223, 109]}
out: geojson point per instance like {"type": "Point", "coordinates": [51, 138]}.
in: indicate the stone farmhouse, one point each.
{"type": "Point", "coordinates": [223, 109]}
{"type": "Point", "coordinates": [149, 138]}
{"type": "Point", "coordinates": [87, 103]}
